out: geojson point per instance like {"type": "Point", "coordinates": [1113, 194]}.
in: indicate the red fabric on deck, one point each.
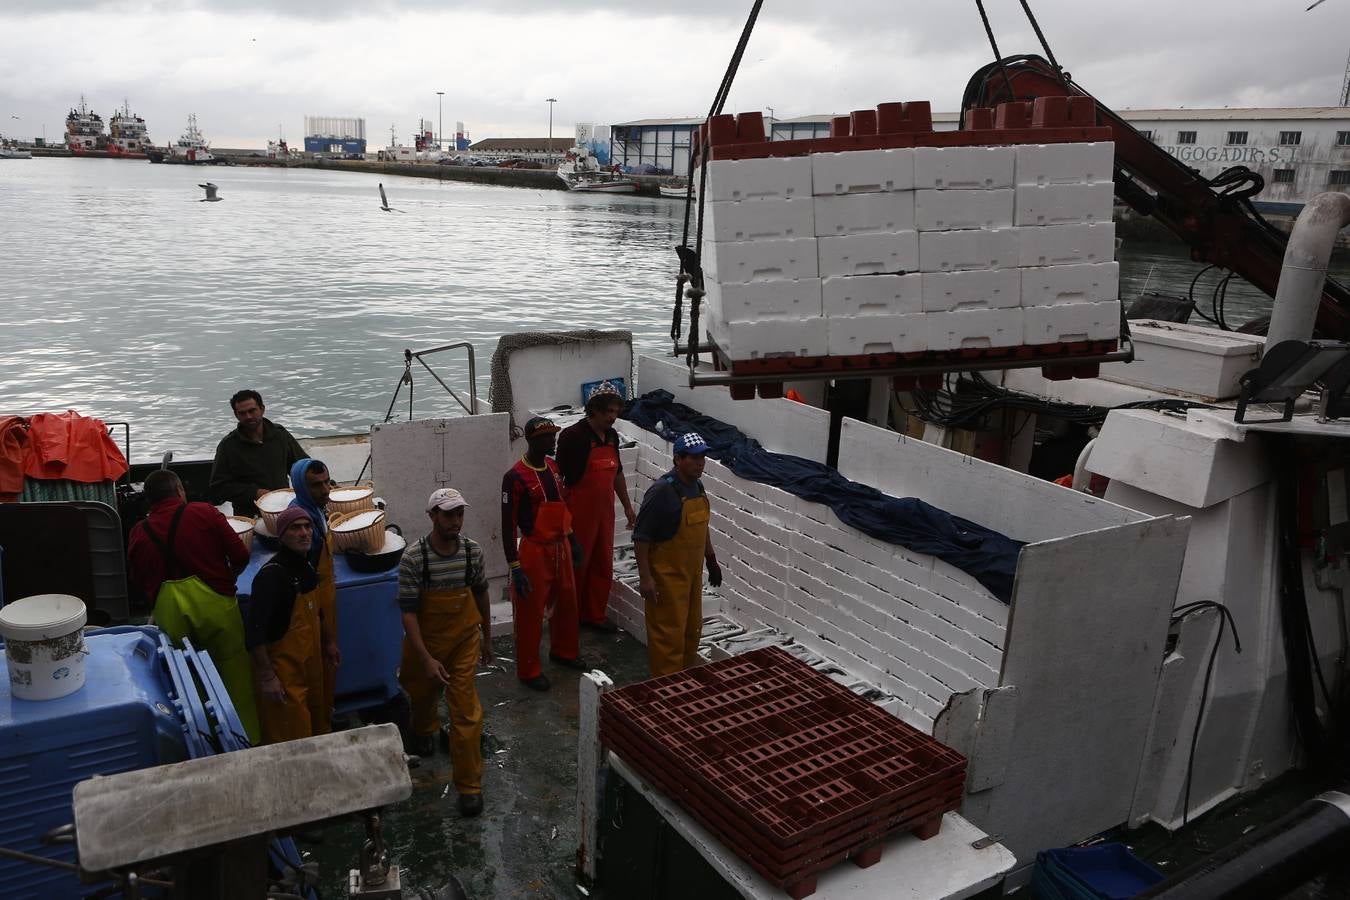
{"type": "Point", "coordinates": [73, 447]}
{"type": "Point", "coordinates": [13, 444]}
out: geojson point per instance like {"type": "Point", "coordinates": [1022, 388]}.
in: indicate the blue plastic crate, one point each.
{"type": "Point", "coordinates": [1103, 872]}
{"type": "Point", "coordinates": [124, 718]}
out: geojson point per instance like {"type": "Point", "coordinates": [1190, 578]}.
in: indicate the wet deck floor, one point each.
{"type": "Point", "coordinates": [524, 844]}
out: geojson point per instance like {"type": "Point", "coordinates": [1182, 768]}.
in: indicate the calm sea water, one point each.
{"type": "Point", "coordinates": [128, 299]}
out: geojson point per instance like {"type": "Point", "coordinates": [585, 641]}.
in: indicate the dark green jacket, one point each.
{"type": "Point", "coordinates": [243, 467]}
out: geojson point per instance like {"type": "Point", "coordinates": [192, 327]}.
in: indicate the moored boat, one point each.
{"type": "Point", "coordinates": [127, 135]}
{"type": "Point", "coordinates": [84, 131]}
{"type": "Point", "coordinates": [190, 149]}
{"type": "Point", "coordinates": [581, 171]}
{"type": "Point", "coordinates": [10, 149]}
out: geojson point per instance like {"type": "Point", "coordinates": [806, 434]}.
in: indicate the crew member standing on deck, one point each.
{"type": "Point", "coordinates": [442, 590]}
{"type": "Point", "coordinates": [186, 557]}
{"type": "Point", "coordinates": [254, 458]}
{"type": "Point", "coordinates": [672, 545]}
{"type": "Point", "coordinates": [312, 485]}
{"type": "Point", "coordinates": [281, 630]}
{"type": "Point", "coordinates": [588, 458]}
{"type": "Point", "coordinates": [542, 578]}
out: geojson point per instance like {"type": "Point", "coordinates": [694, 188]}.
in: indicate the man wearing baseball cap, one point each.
{"type": "Point", "coordinates": [542, 579]}
{"type": "Point", "coordinates": [672, 545]}
{"type": "Point", "coordinates": [447, 626]}
{"type": "Point", "coordinates": [281, 632]}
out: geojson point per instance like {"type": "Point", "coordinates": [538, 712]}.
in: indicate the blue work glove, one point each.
{"type": "Point", "coordinates": [714, 571]}
{"type": "Point", "coordinates": [577, 556]}
{"type": "Point", "coordinates": [519, 581]}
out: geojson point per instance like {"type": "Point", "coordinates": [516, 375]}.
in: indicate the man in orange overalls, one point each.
{"type": "Point", "coordinates": [443, 593]}
{"type": "Point", "coordinates": [542, 579]}
{"type": "Point", "coordinates": [281, 632]}
{"type": "Point", "coordinates": [588, 458]}
{"type": "Point", "coordinates": [311, 482]}
{"type": "Point", "coordinates": [672, 545]}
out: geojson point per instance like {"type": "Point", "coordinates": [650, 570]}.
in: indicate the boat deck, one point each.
{"type": "Point", "coordinates": [524, 843]}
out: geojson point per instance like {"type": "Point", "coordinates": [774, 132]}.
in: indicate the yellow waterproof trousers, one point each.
{"type": "Point", "coordinates": [675, 620]}
{"type": "Point", "coordinates": [450, 626]}
{"type": "Point", "coordinates": [296, 660]}
{"type": "Point", "coordinates": [188, 608]}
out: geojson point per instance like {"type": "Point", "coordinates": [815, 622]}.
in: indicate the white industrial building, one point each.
{"type": "Point", "coordinates": [1299, 151]}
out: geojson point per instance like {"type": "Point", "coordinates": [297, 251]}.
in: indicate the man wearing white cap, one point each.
{"type": "Point", "coordinates": [672, 545]}
{"type": "Point", "coordinates": [442, 591]}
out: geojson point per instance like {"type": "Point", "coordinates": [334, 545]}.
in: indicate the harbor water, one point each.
{"type": "Point", "coordinates": [131, 300]}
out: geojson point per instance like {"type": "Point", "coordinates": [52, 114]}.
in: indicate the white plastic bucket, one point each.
{"type": "Point", "coordinates": [44, 645]}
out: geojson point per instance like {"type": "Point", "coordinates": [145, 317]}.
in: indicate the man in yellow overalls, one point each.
{"type": "Point", "coordinates": [312, 485]}
{"type": "Point", "coordinates": [281, 631]}
{"type": "Point", "coordinates": [672, 545]}
{"type": "Point", "coordinates": [442, 591]}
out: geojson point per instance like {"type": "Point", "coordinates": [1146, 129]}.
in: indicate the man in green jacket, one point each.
{"type": "Point", "coordinates": [254, 458]}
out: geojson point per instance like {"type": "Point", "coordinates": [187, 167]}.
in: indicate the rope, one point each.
{"type": "Point", "coordinates": [1045, 45]}
{"type": "Point", "coordinates": [691, 261]}
{"type": "Point", "coordinates": [998, 57]}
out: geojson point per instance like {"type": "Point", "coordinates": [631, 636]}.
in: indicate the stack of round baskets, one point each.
{"type": "Point", "coordinates": [351, 499]}
{"type": "Point", "coordinates": [243, 527]}
{"type": "Point", "coordinates": [272, 504]}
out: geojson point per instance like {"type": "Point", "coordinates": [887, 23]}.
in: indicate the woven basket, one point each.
{"type": "Point", "coordinates": [366, 539]}
{"type": "Point", "coordinates": [243, 526]}
{"type": "Point", "coordinates": [271, 517]}
{"type": "Point", "coordinates": [365, 500]}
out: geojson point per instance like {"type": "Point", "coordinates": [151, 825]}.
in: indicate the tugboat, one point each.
{"type": "Point", "coordinates": [84, 131]}
{"type": "Point", "coordinates": [190, 149]}
{"type": "Point", "coordinates": [127, 135]}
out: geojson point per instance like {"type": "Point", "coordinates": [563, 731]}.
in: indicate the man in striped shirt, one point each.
{"type": "Point", "coordinates": [442, 592]}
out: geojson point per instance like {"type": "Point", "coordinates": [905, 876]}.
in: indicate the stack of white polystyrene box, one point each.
{"type": "Point", "coordinates": [911, 249]}
{"type": "Point", "coordinates": [868, 251]}
{"type": "Point", "coordinates": [1070, 280]}
{"type": "Point", "coordinates": [759, 259]}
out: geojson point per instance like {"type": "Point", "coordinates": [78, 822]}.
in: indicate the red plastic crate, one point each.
{"type": "Point", "coordinates": [795, 874]}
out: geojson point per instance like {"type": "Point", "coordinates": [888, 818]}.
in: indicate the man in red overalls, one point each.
{"type": "Point", "coordinates": [542, 582]}
{"type": "Point", "coordinates": [588, 458]}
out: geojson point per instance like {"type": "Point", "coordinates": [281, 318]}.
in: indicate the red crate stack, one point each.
{"type": "Point", "coordinates": [791, 770]}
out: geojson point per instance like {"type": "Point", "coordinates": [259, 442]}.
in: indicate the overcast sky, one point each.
{"type": "Point", "coordinates": [249, 68]}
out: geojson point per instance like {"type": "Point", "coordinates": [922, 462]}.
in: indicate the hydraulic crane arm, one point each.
{"type": "Point", "coordinates": [1223, 229]}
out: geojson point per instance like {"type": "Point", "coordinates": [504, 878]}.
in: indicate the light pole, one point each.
{"type": "Point", "coordinates": [440, 119]}
{"type": "Point", "coordinates": [770, 109]}
{"type": "Point", "coordinates": [550, 101]}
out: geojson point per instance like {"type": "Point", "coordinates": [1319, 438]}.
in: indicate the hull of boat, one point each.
{"type": "Point", "coordinates": [604, 187]}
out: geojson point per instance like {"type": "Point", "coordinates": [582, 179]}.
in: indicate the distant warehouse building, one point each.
{"type": "Point", "coordinates": [335, 135]}
{"type": "Point", "coordinates": [1299, 152]}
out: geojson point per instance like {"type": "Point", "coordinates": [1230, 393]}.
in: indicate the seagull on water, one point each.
{"type": "Point", "coordinates": [210, 193]}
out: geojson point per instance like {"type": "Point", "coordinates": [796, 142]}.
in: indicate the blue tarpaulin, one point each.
{"type": "Point", "coordinates": [985, 554]}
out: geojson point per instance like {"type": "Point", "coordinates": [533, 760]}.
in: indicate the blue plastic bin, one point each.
{"type": "Point", "coordinates": [1103, 872]}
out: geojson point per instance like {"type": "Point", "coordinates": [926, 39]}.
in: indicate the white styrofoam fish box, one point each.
{"type": "Point", "coordinates": [782, 178]}
{"type": "Point", "coordinates": [770, 337]}
{"type": "Point", "coordinates": [1089, 162]}
{"type": "Point", "coordinates": [752, 220]}
{"type": "Point", "coordinates": [871, 295]}
{"type": "Point", "coordinates": [1064, 204]}
{"type": "Point", "coordinates": [975, 289]}
{"type": "Point", "coordinates": [771, 260]}
{"type": "Point", "coordinates": [1187, 359]}
{"type": "Point", "coordinates": [1083, 283]}
{"type": "Point", "coordinates": [948, 210]}
{"type": "Point", "coordinates": [869, 254]}
{"type": "Point", "coordinates": [1061, 245]}
{"type": "Point", "coordinates": [1069, 322]}
{"type": "Point", "coordinates": [857, 335]}
{"type": "Point", "coordinates": [963, 168]}
{"type": "Point", "coordinates": [954, 251]}
{"type": "Point", "coordinates": [755, 300]}
{"type": "Point", "coordinates": [862, 171]}
{"type": "Point", "coordinates": [838, 214]}
{"type": "Point", "coordinates": [974, 328]}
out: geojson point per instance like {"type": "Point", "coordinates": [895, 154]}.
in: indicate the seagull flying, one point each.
{"type": "Point", "coordinates": [384, 201]}
{"type": "Point", "coordinates": [210, 193]}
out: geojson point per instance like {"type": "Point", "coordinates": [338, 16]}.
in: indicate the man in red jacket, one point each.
{"type": "Point", "coordinates": [185, 557]}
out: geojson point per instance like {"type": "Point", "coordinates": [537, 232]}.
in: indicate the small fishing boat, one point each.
{"type": "Point", "coordinates": [581, 171]}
